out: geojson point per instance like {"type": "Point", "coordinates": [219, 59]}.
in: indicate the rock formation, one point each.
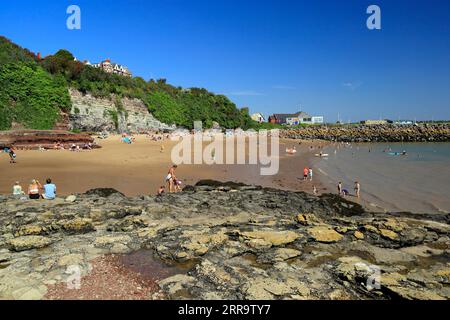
{"type": "Point", "coordinates": [244, 242]}
{"type": "Point", "coordinates": [91, 114]}
{"type": "Point", "coordinates": [32, 139]}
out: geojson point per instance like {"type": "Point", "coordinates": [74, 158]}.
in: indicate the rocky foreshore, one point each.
{"type": "Point", "coordinates": [242, 242]}
{"type": "Point", "coordinates": [33, 139]}
{"type": "Point", "coordinates": [372, 133]}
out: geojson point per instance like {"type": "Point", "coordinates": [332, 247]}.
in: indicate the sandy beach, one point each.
{"type": "Point", "coordinates": [140, 168]}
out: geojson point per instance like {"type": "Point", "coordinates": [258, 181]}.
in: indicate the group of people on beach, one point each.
{"type": "Point", "coordinates": [36, 190]}
{"type": "Point", "coordinates": [344, 192]}
{"type": "Point", "coordinates": [128, 139]}
{"type": "Point", "coordinates": [174, 184]}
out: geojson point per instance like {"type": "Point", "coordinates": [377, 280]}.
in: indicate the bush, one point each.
{"type": "Point", "coordinates": [31, 96]}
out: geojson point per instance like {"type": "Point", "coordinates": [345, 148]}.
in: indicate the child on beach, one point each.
{"type": "Point", "coordinates": [314, 190]}
{"type": "Point", "coordinates": [17, 189]}
{"type": "Point", "coordinates": [171, 178]}
{"type": "Point", "coordinates": [178, 184]}
{"type": "Point", "coordinates": [161, 190]}
{"type": "Point", "coordinates": [310, 173]}
{"type": "Point", "coordinates": [305, 173]}
{"type": "Point", "coordinates": [357, 189]}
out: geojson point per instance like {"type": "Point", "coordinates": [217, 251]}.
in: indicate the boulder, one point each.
{"type": "Point", "coordinates": [391, 235]}
{"type": "Point", "coordinates": [78, 226]}
{"type": "Point", "coordinates": [71, 198]}
{"type": "Point", "coordinates": [28, 243]}
{"type": "Point", "coordinates": [359, 235]}
{"type": "Point", "coordinates": [275, 238]}
{"type": "Point", "coordinates": [324, 234]}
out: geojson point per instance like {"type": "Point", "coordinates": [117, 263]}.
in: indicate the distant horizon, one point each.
{"type": "Point", "coordinates": [272, 57]}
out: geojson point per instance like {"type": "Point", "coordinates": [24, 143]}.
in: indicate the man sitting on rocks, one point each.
{"type": "Point", "coordinates": [49, 190]}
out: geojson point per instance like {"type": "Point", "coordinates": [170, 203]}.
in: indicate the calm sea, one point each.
{"type": "Point", "coordinates": [417, 182]}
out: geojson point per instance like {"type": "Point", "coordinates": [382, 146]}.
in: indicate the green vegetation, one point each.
{"type": "Point", "coordinates": [33, 91]}
{"type": "Point", "coordinates": [29, 95]}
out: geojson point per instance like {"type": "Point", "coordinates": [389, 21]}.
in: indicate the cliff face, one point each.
{"type": "Point", "coordinates": [93, 114]}
{"type": "Point", "coordinates": [32, 139]}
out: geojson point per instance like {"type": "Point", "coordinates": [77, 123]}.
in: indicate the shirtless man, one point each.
{"type": "Point", "coordinates": [171, 177]}
{"type": "Point", "coordinates": [340, 188]}
{"type": "Point", "coordinates": [357, 189]}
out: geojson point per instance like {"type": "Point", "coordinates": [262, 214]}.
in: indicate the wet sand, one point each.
{"type": "Point", "coordinates": [141, 168]}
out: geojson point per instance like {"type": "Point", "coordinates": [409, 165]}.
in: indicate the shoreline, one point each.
{"type": "Point", "coordinates": [140, 169]}
{"type": "Point", "coordinates": [389, 183]}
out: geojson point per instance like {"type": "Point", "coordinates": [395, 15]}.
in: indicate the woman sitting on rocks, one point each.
{"type": "Point", "coordinates": [34, 190]}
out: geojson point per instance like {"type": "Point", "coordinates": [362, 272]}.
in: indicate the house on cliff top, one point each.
{"type": "Point", "coordinates": [110, 67]}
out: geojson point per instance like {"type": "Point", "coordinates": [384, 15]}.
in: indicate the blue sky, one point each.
{"type": "Point", "coordinates": [271, 56]}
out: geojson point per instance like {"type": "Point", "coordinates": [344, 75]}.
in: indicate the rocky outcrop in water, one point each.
{"type": "Point", "coordinates": [372, 133]}
{"type": "Point", "coordinates": [244, 242]}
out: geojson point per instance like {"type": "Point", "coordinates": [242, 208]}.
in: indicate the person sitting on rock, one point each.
{"type": "Point", "coordinates": [34, 190]}
{"type": "Point", "coordinates": [17, 190]}
{"type": "Point", "coordinates": [161, 190]}
{"type": "Point", "coordinates": [49, 190]}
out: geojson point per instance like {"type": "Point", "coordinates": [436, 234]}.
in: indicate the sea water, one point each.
{"type": "Point", "coordinates": [417, 182]}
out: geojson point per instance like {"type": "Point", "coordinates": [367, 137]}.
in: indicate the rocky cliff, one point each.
{"type": "Point", "coordinates": [242, 242]}
{"type": "Point", "coordinates": [373, 133]}
{"type": "Point", "coordinates": [33, 139]}
{"type": "Point", "coordinates": [91, 114]}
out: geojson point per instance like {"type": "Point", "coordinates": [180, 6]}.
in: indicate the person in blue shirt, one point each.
{"type": "Point", "coordinates": [11, 152]}
{"type": "Point", "coordinates": [49, 190]}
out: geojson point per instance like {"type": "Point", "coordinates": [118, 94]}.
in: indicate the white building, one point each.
{"type": "Point", "coordinates": [317, 120]}
{"type": "Point", "coordinates": [258, 117]}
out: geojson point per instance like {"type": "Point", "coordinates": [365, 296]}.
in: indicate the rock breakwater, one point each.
{"type": "Point", "coordinates": [372, 133]}
{"type": "Point", "coordinates": [244, 242]}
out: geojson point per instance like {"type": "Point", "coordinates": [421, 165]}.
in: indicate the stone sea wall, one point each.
{"type": "Point", "coordinates": [243, 242]}
{"type": "Point", "coordinates": [373, 133]}
{"type": "Point", "coordinates": [91, 114]}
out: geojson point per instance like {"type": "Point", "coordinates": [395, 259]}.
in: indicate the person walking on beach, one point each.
{"type": "Point", "coordinates": [49, 190]}
{"type": "Point", "coordinates": [314, 190]}
{"type": "Point", "coordinates": [339, 188]}
{"type": "Point", "coordinates": [357, 189]}
{"type": "Point", "coordinates": [305, 173]}
{"type": "Point", "coordinates": [171, 177]}
{"type": "Point", "coordinates": [34, 190]}
{"type": "Point", "coordinates": [310, 174]}
{"type": "Point", "coordinates": [12, 154]}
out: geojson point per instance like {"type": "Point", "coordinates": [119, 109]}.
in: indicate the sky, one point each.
{"type": "Point", "coordinates": [276, 56]}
